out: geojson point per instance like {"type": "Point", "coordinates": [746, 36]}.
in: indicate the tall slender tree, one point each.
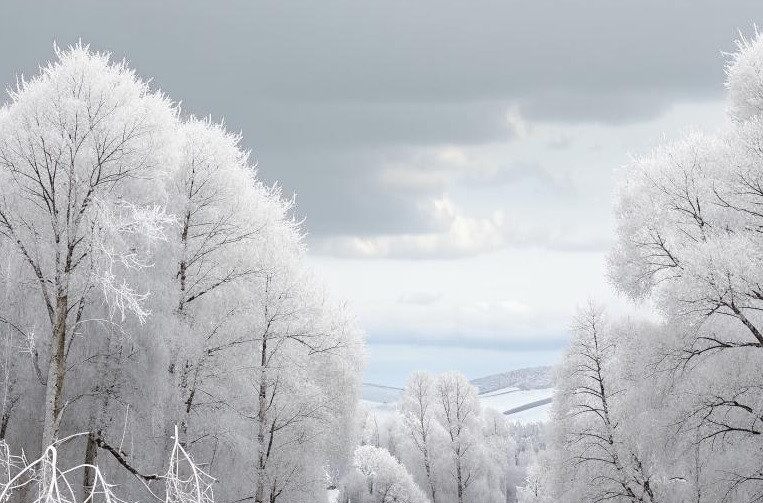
{"type": "Point", "coordinates": [418, 409]}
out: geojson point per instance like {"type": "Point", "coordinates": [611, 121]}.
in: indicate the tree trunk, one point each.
{"type": "Point", "coordinates": [56, 371]}
{"type": "Point", "coordinates": [4, 423]}
{"type": "Point", "coordinates": [261, 459]}
{"type": "Point", "coordinates": [428, 468]}
{"type": "Point", "coordinates": [425, 451]}
{"type": "Point", "coordinates": [459, 478]}
{"type": "Point", "coordinates": [183, 266]}
{"type": "Point", "coordinates": [182, 275]}
{"type": "Point", "coordinates": [91, 453]}
{"type": "Point", "coordinates": [273, 493]}
{"type": "Point", "coordinates": [188, 402]}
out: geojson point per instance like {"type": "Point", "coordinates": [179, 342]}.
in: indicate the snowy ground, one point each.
{"type": "Point", "coordinates": [520, 405]}
{"type": "Point", "coordinates": [508, 399]}
{"type": "Point", "coordinates": [539, 414]}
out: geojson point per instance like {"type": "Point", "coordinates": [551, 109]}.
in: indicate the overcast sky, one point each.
{"type": "Point", "coordinates": [455, 162]}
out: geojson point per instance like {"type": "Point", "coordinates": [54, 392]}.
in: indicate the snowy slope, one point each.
{"type": "Point", "coordinates": [520, 405]}
{"type": "Point", "coordinates": [539, 414]}
{"type": "Point", "coordinates": [527, 378]}
{"type": "Point", "coordinates": [512, 398]}
{"type": "Point", "coordinates": [501, 391]}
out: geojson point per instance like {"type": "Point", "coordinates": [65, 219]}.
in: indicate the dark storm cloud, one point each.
{"type": "Point", "coordinates": [318, 88]}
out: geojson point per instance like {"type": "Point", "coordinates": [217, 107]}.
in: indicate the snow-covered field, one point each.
{"type": "Point", "coordinates": [519, 405]}
{"type": "Point", "coordinates": [511, 399]}
{"type": "Point", "coordinates": [539, 414]}
{"type": "Point", "coordinates": [526, 378]}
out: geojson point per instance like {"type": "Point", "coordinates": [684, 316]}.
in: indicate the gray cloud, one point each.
{"type": "Point", "coordinates": [608, 107]}
{"type": "Point", "coordinates": [326, 92]}
{"type": "Point", "coordinates": [561, 59]}
{"type": "Point", "coordinates": [338, 193]}
{"type": "Point", "coordinates": [326, 126]}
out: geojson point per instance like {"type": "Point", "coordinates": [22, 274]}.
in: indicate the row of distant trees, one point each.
{"type": "Point", "coordinates": [148, 281]}
{"type": "Point", "coordinates": [672, 410]}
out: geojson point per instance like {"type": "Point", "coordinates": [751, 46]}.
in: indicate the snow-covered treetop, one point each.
{"type": "Point", "coordinates": [744, 78]}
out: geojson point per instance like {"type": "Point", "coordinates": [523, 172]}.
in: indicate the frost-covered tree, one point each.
{"type": "Point", "coordinates": [458, 409]}
{"type": "Point", "coordinates": [593, 451]}
{"type": "Point", "coordinates": [689, 240]}
{"type": "Point", "coordinates": [226, 218]}
{"type": "Point", "coordinates": [258, 343]}
{"type": "Point", "coordinates": [304, 357]}
{"type": "Point", "coordinates": [453, 448]}
{"type": "Point", "coordinates": [83, 160]}
{"type": "Point", "coordinates": [418, 408]}
{"type": "Point", "coordinates": [500, 473]}
{"type": "Point", "coordinates": [539, 485]}
{"type": "Point", "coordinates": [380, 478]}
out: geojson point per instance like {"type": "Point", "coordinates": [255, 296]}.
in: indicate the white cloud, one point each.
{"type": "Point", "coordinates": [437, 169]}
{"type": "Point", "coordinates": [463, 236]}
{"type": "Point", "coordinates": [516, 123]}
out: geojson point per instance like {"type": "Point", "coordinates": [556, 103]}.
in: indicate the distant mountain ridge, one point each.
{"type": "Point", "coordinates": [524, 379]}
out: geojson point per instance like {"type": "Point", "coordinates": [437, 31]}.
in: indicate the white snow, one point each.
{"type": "Point", "coordinates": [512, 398]}
{"type": "Point", "coordinates": [500, 391]}
{"type": "Point", "coordinates": [540, 414]}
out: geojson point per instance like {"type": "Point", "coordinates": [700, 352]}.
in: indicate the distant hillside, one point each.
{"type": "Point", "coordinates": [525, 379]}
{"type": "Point", "coordinates": [524, 395]}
